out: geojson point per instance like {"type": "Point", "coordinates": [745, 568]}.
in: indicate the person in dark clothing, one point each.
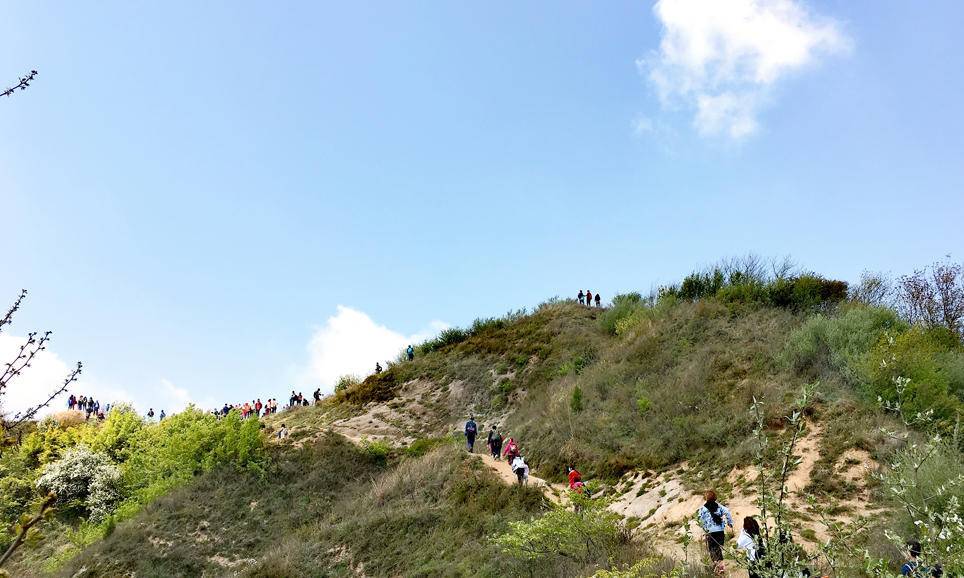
{"type": "Point", "coordinates": [471, 428]}
{"type": "Point", "coordinates": [410, 352]}
{"type": "Point", "coordinates": [495, 442]}
{"type": "Point", "coordinates": [582, 297]}
{"type": "Point", "coordinates": [588, 297]}
{"type": "Point", "coordinates": [317, 395]}
{"type": "Point", "coordinates": [598, 300]}
{"type": "Point", "coordinates": [378, 367]}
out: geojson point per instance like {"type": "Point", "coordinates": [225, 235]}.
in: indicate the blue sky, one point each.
{"type": "Point", "coordinates": [191, 190]}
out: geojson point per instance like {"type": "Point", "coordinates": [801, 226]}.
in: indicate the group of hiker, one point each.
{"type": "Point", "coordinates": [88, 405]}
{"type": "Point", "coordinates": [588, 298]}
{"type": "Point", "coordinates": [508, 448]}
{"type": "Point", "coordinates": [715, 518]}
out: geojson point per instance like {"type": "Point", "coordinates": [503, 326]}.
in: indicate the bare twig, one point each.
{"type": "Point", "coordinates": [22, 85]}
{"type": "Point", "coordinates": [8, 318]}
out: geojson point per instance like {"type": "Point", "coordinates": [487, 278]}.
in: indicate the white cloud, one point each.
{"type": "Point", "coordinates": [46, 373]}
{"type": "Point", "coordinates": [721, 57]}
{"type": "Point", "coordinates": [351, 342]}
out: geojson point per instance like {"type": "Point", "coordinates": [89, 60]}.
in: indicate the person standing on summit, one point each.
{"type": "Point", "coordinates": [598, 301]}
{"type": "Point", "coordinates": [588, 297]}
{"type": "Point", "coordinates": [470, 430]}
{"type": "Point", "coordinates": [581, 297]}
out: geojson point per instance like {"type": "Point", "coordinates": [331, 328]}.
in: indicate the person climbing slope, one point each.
{"type": "Point", "coordinates": [521, 469]}
{"type": "Point", "coordinates": [751, 543]}
{"type": "Point", "coordinates": [714, 518]}
{"type": "Point", "coordinates": [470, 430]}
{"type": "Point", "coordinates": [511, 450]}
{"type": "Point", "coordinates": [494, 442]}
{"type": "Point", "coordinates": [410, 352]}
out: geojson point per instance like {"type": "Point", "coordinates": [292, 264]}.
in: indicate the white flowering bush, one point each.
{"type": "Point", "coordinates": [84, 478]}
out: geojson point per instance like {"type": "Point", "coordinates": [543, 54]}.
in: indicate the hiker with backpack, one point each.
{"type": "Point", "coordinates": [471, 428]}
{"type": "Point", "coordinates": [588, 298]}
{"type": "Point", "coordinates": [751, 542]}
{"type": "Point", "coordinates": [494, 442]}
{"type": "Point", "coordinates": [410, 352]}
{"type": "Point", "coordinates": [581, 297]}
{"type": "Point", "coordinates": [521, 469]}
{"type": "Point", "coordinates": [714, 518]}
{"type": "Point", "coordinates": [598, 301]}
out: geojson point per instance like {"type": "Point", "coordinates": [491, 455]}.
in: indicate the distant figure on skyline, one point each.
{"type": "Point", "coordinates": [582, 297]}
{"type": "Point", "coordinates": [598, 301]}
{"type": "Point", "coordinates": [410, 352]}
{"type": "Point", "coordinates": [378, 367]}
{"type": "Point", "coordinates": [588, 297]}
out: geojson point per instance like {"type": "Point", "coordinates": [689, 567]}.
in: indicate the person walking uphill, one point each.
{"type": "Point", "coordinates": [494, 442]}
{"type": "Point", "coordinates": [470, 430]}
{"type": "Point", "coordinates": [714, 518]}
{"type": "Point", "coordinates": [410, 352]}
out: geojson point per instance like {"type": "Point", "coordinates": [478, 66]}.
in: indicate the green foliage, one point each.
{"type": "Point", "coordinates": [115, 435]}
{"type": "Point", "coordinates": [345, 382]}
{"type": "Point", "coordinates": [448, 337]}
{"type": "Point", "coordinates": [642, 404]}
{"type": "Point", "coordinates": [929, 359]}
{"type": "Point", "coordinates": [839, 343]}
{"type": "Point", "coordinates": [575, 402]}
{"type": "Point", "coordinates": [83, 478]}
{"type": "Point", "coordinates": [745, 282]}
{"type": "Point", "coordinates": [588, 534]}
{"type": "Point", "coordinates": [377, 450]}
{"type": "Point", "coordinates": [623, 306]}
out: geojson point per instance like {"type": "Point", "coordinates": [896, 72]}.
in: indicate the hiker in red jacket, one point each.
{"type": "Point", "coordinates": [575, 479]}
{"type": "Point", "coordinates": [511, 450]}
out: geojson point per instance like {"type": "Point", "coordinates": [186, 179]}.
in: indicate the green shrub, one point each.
{"type": "Point", "coordinates": [921, 355]}
{"type": "Point", "coordinates": [346, 381]}
{"type": "Point", "coordinates": [623, 306]}
{"type": "Point", "coordinates": [575, 402]}
{"type": "Point", "coordinates": [377, 450]}
{"type": "Point", "coordinates": [841, 342]}
{"type": "Point", "coordinates": [83, 478]}
{"type": "Point", "coordinates": [448, 337]}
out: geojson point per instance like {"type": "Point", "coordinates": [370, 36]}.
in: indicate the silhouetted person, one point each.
{"type": "Point", "coordinates": [582, 297]}
{"type": "Point", "coordinates": [598, 300]}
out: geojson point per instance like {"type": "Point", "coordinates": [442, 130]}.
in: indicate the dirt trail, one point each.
{"type": "Point", "coordinates": [554, 492]}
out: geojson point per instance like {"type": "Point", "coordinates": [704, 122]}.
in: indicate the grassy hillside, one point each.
{"type": "Point", "coordinates": [650, 398]}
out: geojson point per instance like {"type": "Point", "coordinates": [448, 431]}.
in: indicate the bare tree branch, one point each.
{"type": "Point", "coordinates": [22, 85]}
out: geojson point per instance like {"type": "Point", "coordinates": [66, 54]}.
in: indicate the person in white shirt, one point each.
{"type": "Point", "coordinates": [751, 543]}
{"type": "Point", "coordinates": [521, 470]}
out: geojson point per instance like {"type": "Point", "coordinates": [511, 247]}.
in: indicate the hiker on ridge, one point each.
{"type": "Point", "coordinates": [150, 413]}
{"type": "Point", "coordinates": [598, 301]}
{"type": "Point", "coordinates": [714, 518]}
{"type": "Point", "coordinates": [588, 297]}
{"type": "Point", "coordinates": [317, 396]}
{"type": "Point", "coordinates": [378, 368]}
{"type": "Point", "coordinates": [582, 298]}
{"type": "Point", "coordinates": [471, 428]}
{"type": "Point", "coordinates": [495, 443]}
{"type": "Point", "coordinates": [410, 352]}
